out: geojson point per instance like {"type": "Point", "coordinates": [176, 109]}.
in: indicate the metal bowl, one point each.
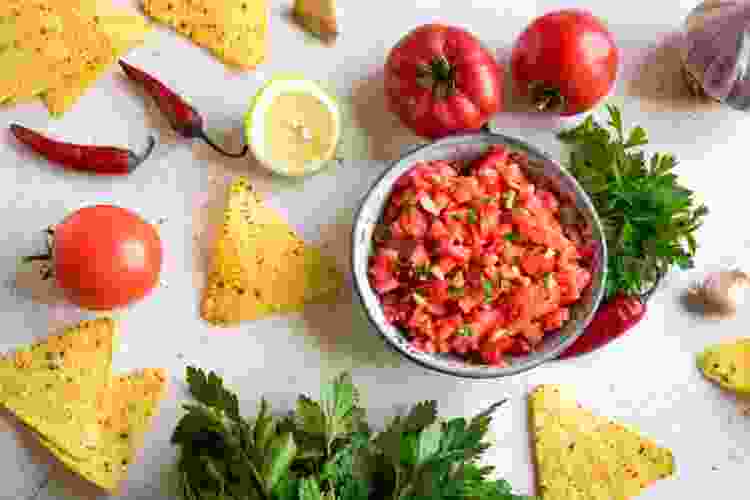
{"type": "Point", "coordinates": [542, 170]}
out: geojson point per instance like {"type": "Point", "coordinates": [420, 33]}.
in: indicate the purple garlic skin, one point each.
{"type": "Point", "coordinates": [716, 51]}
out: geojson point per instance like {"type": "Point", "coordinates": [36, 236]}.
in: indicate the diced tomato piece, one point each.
{"type": "Point", "coordinates": [583, 278]}
{"type": "Point", "coordinates": [533, 333]}
{"type": "Point", "coordinates": [384, 285]}
{"type": "Point", "coordinates": [441, 199]}
{"type": "Point", "coordinates": [471, 299]}
{"type": "Point", "coordinates": [437, 291]}
{"type": "Point", "coordinates": [536, 264]}
{"type": "Point", "coordinates": [419, 256]}
{"type": "Point", "coordinates": [467, 188]}
{"type": "Point", "coordinates": [532, 203]}
{"type": "Point", "coordinates": [520, 346]}
{"type": "Point", "coordinates": [494, 157]}
{"type": "Point", "coordinates": [482, 322]}
{"type": "Point", "coordinates": [465, 345]}
{"type": "Point", "coordinates": [444, 328]}
{"type": "Point", "coordinates": [489, 218]}
{"type": "Point", "coordinates": [555, 319]}
{"type": "Point", "coordinates": [414, 222]}
{"type": "Point", "coordinates": [438, 231]}
{"type": "Point", "coordinates": [444, 169]}
{"type": "Point", "coordinates": [512, 174]}
{"type": "Point", "coordinates": [492, 352]}
{"type": "Point", "coordinates": [454, 251]}
{"type": "Point", "coordinates": [549, 200]}
{"type": "Point", "coordinates": [447, 264]}
{"type": "Point", "coordinates": [397, 313]}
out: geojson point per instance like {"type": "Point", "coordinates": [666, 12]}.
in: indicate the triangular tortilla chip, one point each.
{"type": "Point", "coordinates": [52, 386]}
{"type": "Point", "coordinates": [260, 267]}
{"type": "Point", "coordinates": [124, 29]}
{"type": "Point", "coordinates": [234, 30]}
{"type": "Point", "coordinates": [585, 456]}
{"type": "Point", "coordinates": [47, 41]}
{"type": "Point", "coordinates": [728, 364]}
{"type": "Point", "coordinates": [318, 17]}
{"type": "Point", "coordinates": [126, 409]}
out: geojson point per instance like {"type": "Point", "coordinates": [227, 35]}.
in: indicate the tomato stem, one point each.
{"type": "Point", "coordinates": [439, 75]}
{"type": "Point", "coordinates": [546, 98]}
{"type": "Point", "coordinates": [45, 257]}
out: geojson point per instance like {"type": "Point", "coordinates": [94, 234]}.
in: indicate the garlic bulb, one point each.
{"type": "Point", "coordinates": [716, 51]}
{"type": "Point", "coordinates": [721, 293]}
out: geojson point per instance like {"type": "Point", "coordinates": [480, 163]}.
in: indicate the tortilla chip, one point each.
{"type": "Point", "coordinates": [260, 267]}
{"type": "Point", "coordinates": [728, 364]}
{"type": "Point", "coordinates": [317, 17]}
{"type": "Point", "coordinates": [233, 30]}
{"type": "Point", "coordinates": [47, 42]}
{"type": "Point", "coordinates": [124, 29]}
{"type": "Point", "coordinates": [584, 456]}
{"type": "Point", "coordinates": [126, 408]}
{"type": "Point", "coordinates": [51, 386]}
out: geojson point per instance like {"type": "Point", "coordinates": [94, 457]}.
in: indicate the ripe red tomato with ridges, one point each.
{"type": "Point", "coordinates": [566, 61]}
{"type": "Point", "coordinates": [440, 80]}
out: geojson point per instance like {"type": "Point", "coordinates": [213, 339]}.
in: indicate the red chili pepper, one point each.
{"type": "Point", "coordinates": [612, 320]}
{"type": "Point", "coordinates": [104, 160]}
{"type": "Point", "coordinates": [184, 119]}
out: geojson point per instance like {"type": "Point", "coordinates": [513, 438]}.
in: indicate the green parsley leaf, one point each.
{"type": "Point", "coordinates": [420, 416]}
{"type": "Point", "coordinates": [511, 236]}
{"type": "Point", "coordinates": [422, 272]}
{"type": "Point", "coordinates": [488, 290]}
{"type": "Point", "coordinates": [457, 216]}
{"type": "Point", "coordinates": [471, 216]}
{"type": "Point", "coordinates": [549, 279]}
{"type": "Point", "coordinates": [455, 291]}
{"type": "Point", "coordinates": [465, 331]}
{"type": "Point", "coordinates": [649, 218]}
{"type": "Point", "coordinates": [209, 390]}
{"type": "Point", "coordinates": [487, 199]}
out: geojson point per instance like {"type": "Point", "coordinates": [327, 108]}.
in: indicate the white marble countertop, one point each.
{"type": "Point", "coordinates": [647, 379]}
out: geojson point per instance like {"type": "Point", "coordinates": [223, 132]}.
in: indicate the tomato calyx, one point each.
{"type": "Point", "coordinates": [439, 75]}
{"type": "Point", "coordinates": [46, 257]}
{"type": "Point", "coordinates": [546, 97]}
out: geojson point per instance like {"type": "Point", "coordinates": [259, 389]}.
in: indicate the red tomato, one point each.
{"type": "Point", "coordinates": [106, 257]}
{"type": "Point", "coordinates": [440, 80]}
{"type": "Point", "coordinates": [565, 59]}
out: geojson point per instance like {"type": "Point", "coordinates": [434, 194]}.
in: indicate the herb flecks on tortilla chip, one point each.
{"type": "Point", "coordinates": [52, 386]}
{"type": "Point", "coordinates": [233, 30]}
{"type": "Point", "coordinates": [123, 28]}
{"type": "Point", "coordinates": [126, 408]}
{"type": "Point", "coordinates": [260, 267]}
{"type": "Point", "coordinates": [588, 457]}
{"type": "Point", "coordinates": [57, 48]}
{"type": "Point", "coordinates": [728, 364]}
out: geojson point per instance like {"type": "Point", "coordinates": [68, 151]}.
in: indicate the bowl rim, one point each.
{"type": "Point", "coordinates": [360, 286]}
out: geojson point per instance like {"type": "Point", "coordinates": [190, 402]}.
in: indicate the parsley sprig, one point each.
{"type": "Point", "coordinates": [649, 218]}
{"type": "Point", "coordinates": [324, 450]}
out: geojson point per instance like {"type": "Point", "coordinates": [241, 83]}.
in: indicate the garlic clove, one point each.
{"type": "Point", "coordinates": [721, 293]}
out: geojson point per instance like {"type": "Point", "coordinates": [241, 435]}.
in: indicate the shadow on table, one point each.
{"type": "Point", "coordinates": [389, 139]}
{"type": "Point", "coordinates": [342, 327]}
{"type": "Point", "coordinates": [59, 480]}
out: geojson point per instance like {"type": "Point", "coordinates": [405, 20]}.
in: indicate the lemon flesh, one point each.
{"type": "Point", "coordinates": [293, 126]}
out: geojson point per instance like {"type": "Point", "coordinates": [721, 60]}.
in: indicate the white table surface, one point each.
{"type": "Point", "coordinates": [647, 379]}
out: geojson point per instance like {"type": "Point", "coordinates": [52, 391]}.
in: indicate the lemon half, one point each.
{"type": "Point", "coordinates": [293, 126]}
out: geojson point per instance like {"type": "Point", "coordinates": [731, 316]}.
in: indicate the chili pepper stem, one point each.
{"type": "Point", "coordinates": [140, 158]}
{"type": "Point", "coordinates": [46, 257]}
{"type": "Point", "coordinates": [202, 134]}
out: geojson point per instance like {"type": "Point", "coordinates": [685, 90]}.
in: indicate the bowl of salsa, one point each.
{"type": "Point", "coordinates": [478, 256]}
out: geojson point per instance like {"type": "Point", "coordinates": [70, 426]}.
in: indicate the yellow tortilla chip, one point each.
{"type": "Point", "coordinates": [233, 30]}
{"type": "Point", "coordinates": [44, 41]}
{"type": "Point", "coordinates": [260, 267]}
{"type": "Point", "coordinates": [583, 456]}
{"type": "Point", "coordinates": [728, 364]}
{"type": "Point", "coordinates": [126, 408]}
{"type": "Point", "coordinates": [124, 29]}
{"type": "Point", "coordinates": [52, 386]}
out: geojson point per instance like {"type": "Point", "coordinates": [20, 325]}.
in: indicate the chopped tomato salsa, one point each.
{"type": "Point", "coordinates": [473, 259]}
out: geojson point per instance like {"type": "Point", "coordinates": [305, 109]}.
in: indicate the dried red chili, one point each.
{"type": "Point", "coordinates": [184, 119]}
{"type": "Point", "coordinates": [103, 160]}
